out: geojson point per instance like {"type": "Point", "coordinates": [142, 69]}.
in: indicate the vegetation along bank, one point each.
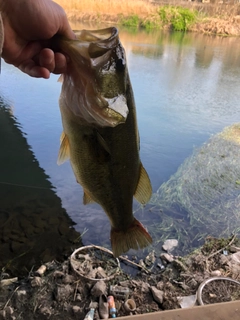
{"type": "Point", "coordinates": [213, 17]}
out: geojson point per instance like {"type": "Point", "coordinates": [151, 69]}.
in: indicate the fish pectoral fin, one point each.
{"type": "Point", "coordinates": [60, 79]}
{"type": "Point", "coordinates": [103, 143]}
{"type": "Point", "coordinates": [144, 189]}
{"type": "Point", "coordinates": [64, 151]}
{"type": "Point", "coordinates": [86, 198]}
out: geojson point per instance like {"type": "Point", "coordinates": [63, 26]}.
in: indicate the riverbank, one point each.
{"type": "Point", "coordinates": [210, 18]}
{"type": "Point", "coordinates": [56, 291]}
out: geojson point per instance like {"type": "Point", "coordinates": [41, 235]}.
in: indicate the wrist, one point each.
{"type": "Point", "coordinates": [1, 34]}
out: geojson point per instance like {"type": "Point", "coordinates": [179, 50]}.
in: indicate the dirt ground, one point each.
{"type": "Point", "coordinates": [57, 291]}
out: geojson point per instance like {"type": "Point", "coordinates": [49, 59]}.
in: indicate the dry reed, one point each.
{"type": "Point", "coordinates": [215, 17]}
{"type": "Point", "coordinates": [144, 8]}
{"type": "Point", "coordinates": [108, 7]}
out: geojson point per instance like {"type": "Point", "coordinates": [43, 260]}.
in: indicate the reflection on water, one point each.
{"type": "Point", "coordinates": [186, 88]}
{"type": "Point", "coordinates": [34, 228]}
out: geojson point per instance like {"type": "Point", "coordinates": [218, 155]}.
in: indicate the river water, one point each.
{"type": "Point", "coordinates": [186, 89]}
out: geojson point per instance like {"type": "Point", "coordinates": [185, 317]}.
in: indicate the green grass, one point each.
{"type": "Point", "coordinates": [178, 17]}
{"type": "Point", "coordinates": [131, 21]}
{"type": "Point", "coordinates": [150, 24]}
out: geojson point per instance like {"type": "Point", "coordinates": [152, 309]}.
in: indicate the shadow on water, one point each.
{"type": "Point", "coordinates": [34, 228]}
{"type": "Point", "coordinates": [186, 88]}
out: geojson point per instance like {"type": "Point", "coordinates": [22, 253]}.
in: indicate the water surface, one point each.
{"type": "Point", "coordinates": [186, 89]}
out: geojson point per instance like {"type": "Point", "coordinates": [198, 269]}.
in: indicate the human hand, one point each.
{"type": "Point", "coordinates": [29, 26]}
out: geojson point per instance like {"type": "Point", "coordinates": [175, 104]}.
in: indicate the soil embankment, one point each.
{"type": "Point", "coordinates": [56, 291]}
{"type": "Point", "coordinates": [217, 18]}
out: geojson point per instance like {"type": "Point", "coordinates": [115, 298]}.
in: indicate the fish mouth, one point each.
{"type": "Point", "coordinates": [99, 40]}
{"type": "Point", "coordinates": [108, 59]}
{"type": "Point", "coordinates": [98, 75]}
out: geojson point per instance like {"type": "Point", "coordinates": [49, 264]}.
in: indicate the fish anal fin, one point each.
{"type": "Point", "coordinates": [135, 237]}
{"type": "Point", "coordinates": [144, 189]}
{"type": "Point", "coordinates": [64, 151]}
{"type": "Point", "coordinates": [86, 198]}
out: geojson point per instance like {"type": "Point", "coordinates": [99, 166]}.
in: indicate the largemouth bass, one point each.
{"type": "Point", "coordinates": [100, 135]}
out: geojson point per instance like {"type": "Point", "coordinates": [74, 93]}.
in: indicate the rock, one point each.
{"type": "Point", "coordinates": [145, 287]}
{"type": "Point", "coordinates": [234, 249]}
{"type": "Point", "coordinates": [68, 279]}
{"type": "Point", "coordinates": [193, 282]}
{"type": "Point", "coordinates": [235, 257]}
{"type": "Point", "coordinates": [21, 294]}
{"type": "Point", "coordinates": [36, 282]}
{"type": "Point", "coordinates": [160, 285]}
{"type": "Point", "coordinates": [99, 289]}
{"type": "Point", "coordinates": [63, 292]}
{"type": "Point", "coordinates": [141, 263]}
{"type": "Point", "coordinates": [150, 259]}
{"type": "Point", "coordinates": [78, 297]}
{"type": "Point", "coordinates": [58, 274]}
{"type": "Point", "coordinates": [235, 268]}
{"type": "Point", "coordinates": [134, 283]}
{"type": "Point", "coordinates": [93, 305]}
{"type": "Point", "coordinates": [167, 257]}
{"type": "Point", "coordinates": [7, 282]}
{"type": "Point", "coordinates": [45, 311]}
{"type": "Point", "coordinates": [7, 313]}
{"type": "Point", "coordinates": [216, 273]}
{"type": "Point", "coordinates": [141, 284]}
{"type": "Point", "coordinates": [101, 273]}
{"type": "Point", "coordinates": [126, 283]}
{"type": "Point", "coordinates": [223, 259]}
{"type": "Point", "coordinates": [157, 294]}
{"type": "Point", "coordinates": [92, 273]}
{"type": "Point", "coordinates": [21, 298]}
{"type": "Point", "coordinates": [76, 310]}
{"type": "Point", "coordinates": [179, 265]}
{"type": "Point", "coordinates": [9, 310]}
{"type": "Point", "coordinates": [170, 244]}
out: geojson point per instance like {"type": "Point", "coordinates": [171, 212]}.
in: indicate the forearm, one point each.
{"type": "Point", "coordinates": [29, 26]}
{"type": "Point", "coordinates": [1, 34]}
{"type": "Point", "coordinates": [1, 27]}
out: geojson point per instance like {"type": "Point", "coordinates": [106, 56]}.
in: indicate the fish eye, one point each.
{"type": "Point", "coordinates": [120, 65]}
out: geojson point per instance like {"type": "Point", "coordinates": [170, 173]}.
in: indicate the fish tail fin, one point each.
{"type": "Point", "coordinates": [135, 237]}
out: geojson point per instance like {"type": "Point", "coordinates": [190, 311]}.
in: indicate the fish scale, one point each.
{"type": "Point", "coordinates": [100, 135]}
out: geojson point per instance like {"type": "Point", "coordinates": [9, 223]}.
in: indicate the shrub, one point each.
{"type": "Point", "coordinates": [179, 18]}
{"type": "Point", "coordinates": [131, 21]}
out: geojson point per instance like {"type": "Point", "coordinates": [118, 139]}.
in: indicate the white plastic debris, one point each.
{"type": "Point", "coordinates": [187, 301]}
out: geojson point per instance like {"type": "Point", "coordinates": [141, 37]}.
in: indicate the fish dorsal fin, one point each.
{"type": "Point", "coordinates": [144, 189]}
{"type": "Point", "coordinates": [103, 142]}
{"type": "Point", "coordinates": [64, 151]}
{"type": "Point", "coordinates": [86, 198]}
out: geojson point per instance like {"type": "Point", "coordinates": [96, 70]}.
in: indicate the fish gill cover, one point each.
{"type": "Point", "coordinates": [100, 135]}
{"type": "Point", "coordinates": [94, 86]}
